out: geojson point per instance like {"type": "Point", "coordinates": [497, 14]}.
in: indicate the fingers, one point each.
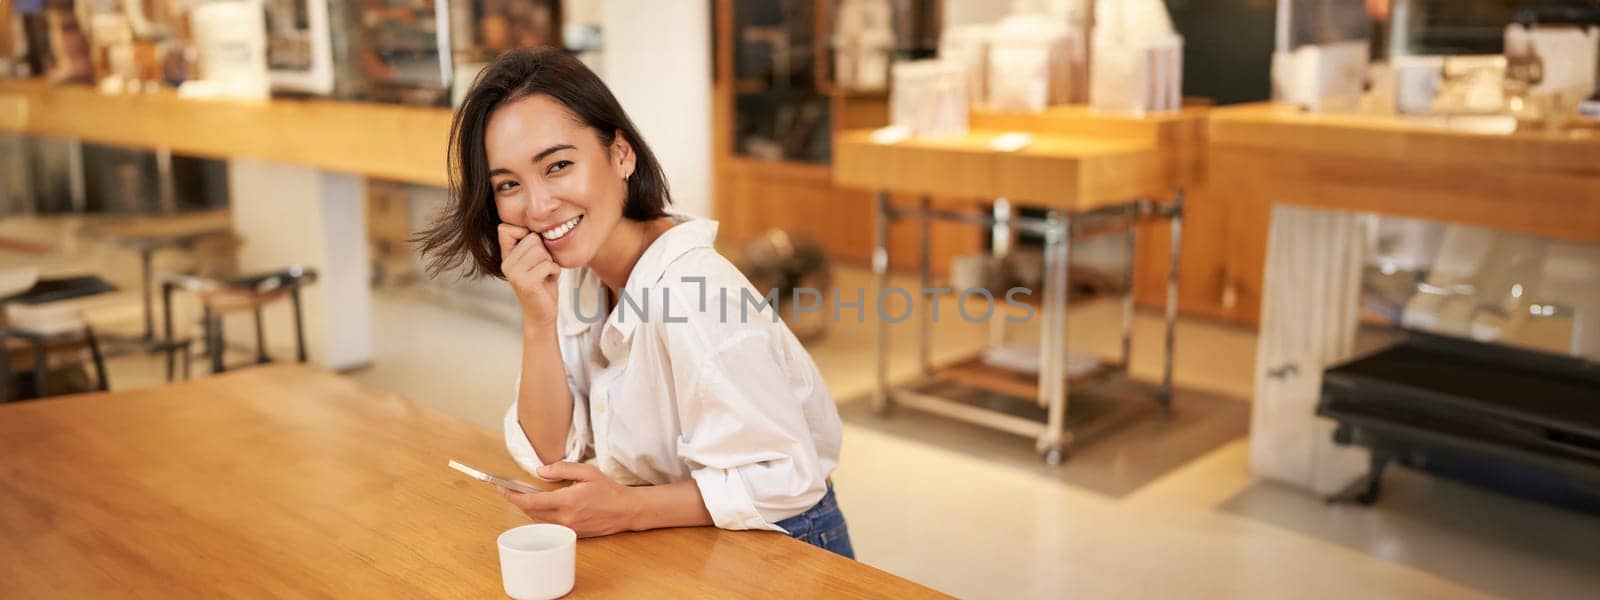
{"type": "Point", "coordinates": [530, 250]}
{"type": "Point", "coordinates": [545, 272]}
{"type": "Point", "coordinates": [547, 507]}
{"type": "Point", "coordinates": [569, 471]}
{"type": "Point", "coordinates": [509, 236]}
{"type": "Point", "coordinates": [533, 269]}
{"type": "Point", "coordinates": [532, 504]}
{"type": "Point", "coordinates": [526, 254]}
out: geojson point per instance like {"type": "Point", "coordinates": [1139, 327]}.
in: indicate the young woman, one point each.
{"type": "Point", "coordinates": [649, 378]}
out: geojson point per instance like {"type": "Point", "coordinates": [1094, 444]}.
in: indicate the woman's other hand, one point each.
{"type": "Point", "coordinates": [532, 273]}
{"type": "Point", "coordinates": [593, 505]}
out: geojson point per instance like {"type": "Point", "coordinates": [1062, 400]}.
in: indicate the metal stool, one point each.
{"type": "Point", "coordinates": [221, 296]}
{"type": "Point", "coordinates": [40, 345]}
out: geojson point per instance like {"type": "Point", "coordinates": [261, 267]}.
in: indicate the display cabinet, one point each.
{"type": "Point", "coordinates": [776, 111]}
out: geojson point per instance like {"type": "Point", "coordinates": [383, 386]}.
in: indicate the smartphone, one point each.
{"type": "Point", "coordinates": [500, 481]}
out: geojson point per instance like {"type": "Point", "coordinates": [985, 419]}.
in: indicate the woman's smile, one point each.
{"type": "Point", "coordinates": [558, 235]}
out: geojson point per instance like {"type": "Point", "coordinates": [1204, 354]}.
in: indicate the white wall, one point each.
{"type": "Point", "coordinates": [582, 12]}
{"type": "Point", "coordinates": [657, 60]}
{"type": "Point", "coordinates": [968, 12]}
{"type": "Point", "coordinates": [292, 215]}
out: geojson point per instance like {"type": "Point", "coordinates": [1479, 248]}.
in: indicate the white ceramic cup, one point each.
{"type": "Point", "coordinates": [538, 562]}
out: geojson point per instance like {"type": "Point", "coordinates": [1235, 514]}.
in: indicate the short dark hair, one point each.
{"type": "Point", "coordinates": [467, 227]}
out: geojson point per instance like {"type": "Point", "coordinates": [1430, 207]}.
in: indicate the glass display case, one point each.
{"type": "Point", "coordinates": [780, 111]}
{"type": "Point", "coordinates": [783, 65]}
{"type": "Point", "coordinates": [1457, 27]}
{"type": "Point", "coordinates": [1321, 22]}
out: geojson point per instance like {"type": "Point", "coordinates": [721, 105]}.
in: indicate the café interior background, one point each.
{"type": "Point", "coordinates": [1338, 183]}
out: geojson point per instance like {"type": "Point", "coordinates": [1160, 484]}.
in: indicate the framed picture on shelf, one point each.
{"type": "Point", "coordinates": [57, 45]}
{"type": "Point", "coordinates": [13, 44]}
{"type": "Point", "coordinates": [398, 50]}
{"type": "Point", "coordinates": [485, 28]}
{"type": "Point", "coordinates": [299, 49]}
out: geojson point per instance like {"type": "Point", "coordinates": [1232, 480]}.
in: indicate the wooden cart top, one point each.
{"type": "Point", "coordinates": [1072, 173]}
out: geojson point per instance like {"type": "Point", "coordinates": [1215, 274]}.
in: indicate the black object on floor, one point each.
{"type": "Point", "coordinates": [1520, 421]}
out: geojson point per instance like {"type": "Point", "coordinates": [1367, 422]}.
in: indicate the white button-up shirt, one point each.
{"type": "Point", "coordinates": [689, 377]}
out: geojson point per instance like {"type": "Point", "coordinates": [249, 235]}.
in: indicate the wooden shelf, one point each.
{"type": "Point", "coordinates": [402, 143]}
{"type": "Point", "coordinates": [850, 94]}
{"type": "Point", "coordinates": [743, 163]}
{"type": "Point", "coordinates": [973, 372]}
{"type": "Point", "coordinates": [968, 390]}
{"type": "Point", "coordinates": [751, 86]}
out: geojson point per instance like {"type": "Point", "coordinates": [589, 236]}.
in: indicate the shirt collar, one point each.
{"type": "Point", "coordinates": [689, 234]}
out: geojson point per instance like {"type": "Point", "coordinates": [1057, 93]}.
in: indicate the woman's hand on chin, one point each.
{"type": "Point", "coordinates": [532, 273]}
{"type": "Point", "coordinates": [593, 505]}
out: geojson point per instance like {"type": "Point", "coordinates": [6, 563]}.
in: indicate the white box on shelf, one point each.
{"type": "Point", "coordinates": [863, 42]}
{"type": "Point", "coordinates": [968, 46]}
{"type": "Point", "coordinates": [1030, 64]}
{"type": "Point", "coordinates": [1322, 77]}
{"type": "Point", "coordinates": [929, 97]}
{"type": "Point", "coordinates": [1136, 58]}
{"type": "Point", "coordinates": [1139, 78]}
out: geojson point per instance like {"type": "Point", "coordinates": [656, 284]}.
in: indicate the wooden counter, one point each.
{"type": "Point", "coordinates": [285, 480]}
{"type": "Point", "coordinates": [402, 143]}
{"type": "Point", "coordinates": [1299, 189]}
{"type": "Point", "coordinates": [1053, 171]}
{"type": "Point", "coordinates": [1439, 169]}
{"type": "Point", "coordinates": [1448, 170]}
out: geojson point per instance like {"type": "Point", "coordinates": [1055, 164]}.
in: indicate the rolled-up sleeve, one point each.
{"type": "Point", "coordinates": [745, 437]}
{"type": "Point", "coordinates": [577, 434]}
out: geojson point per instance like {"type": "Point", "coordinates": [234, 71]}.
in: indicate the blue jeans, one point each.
{"type": "Point", "coordinates": [822, 526]}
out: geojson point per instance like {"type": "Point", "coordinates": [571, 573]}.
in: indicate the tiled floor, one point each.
{"type": "Point", "coordinates": [979, 519]}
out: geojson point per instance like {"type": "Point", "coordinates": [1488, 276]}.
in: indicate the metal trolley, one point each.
{"type": "Point", "coordinates": [1052, 387]}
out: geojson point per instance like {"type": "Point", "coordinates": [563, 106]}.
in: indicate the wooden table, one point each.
{"type": "Point", "coordinates": [149, 233]}
{"type": "Point", "coordinates": [287, 480]}
{"type": "Point", "coordinates": [1086, 184]}
{"type": "Point", "coordinates": [1313, 180]}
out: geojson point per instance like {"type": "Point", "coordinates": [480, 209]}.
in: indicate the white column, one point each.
{"type": "Point", "coordinates": [291, 215]}
{"type": "Point", "coordinates": [1309, 312]}
{"type": "Point", "coordinates": [657, 60]}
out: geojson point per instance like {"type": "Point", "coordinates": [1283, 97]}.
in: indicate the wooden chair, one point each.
{"type": "Point", "coordinates": [220, 297]}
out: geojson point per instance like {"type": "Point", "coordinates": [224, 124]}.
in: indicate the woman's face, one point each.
{"type": "Point", "coordinates": [550, 174]}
